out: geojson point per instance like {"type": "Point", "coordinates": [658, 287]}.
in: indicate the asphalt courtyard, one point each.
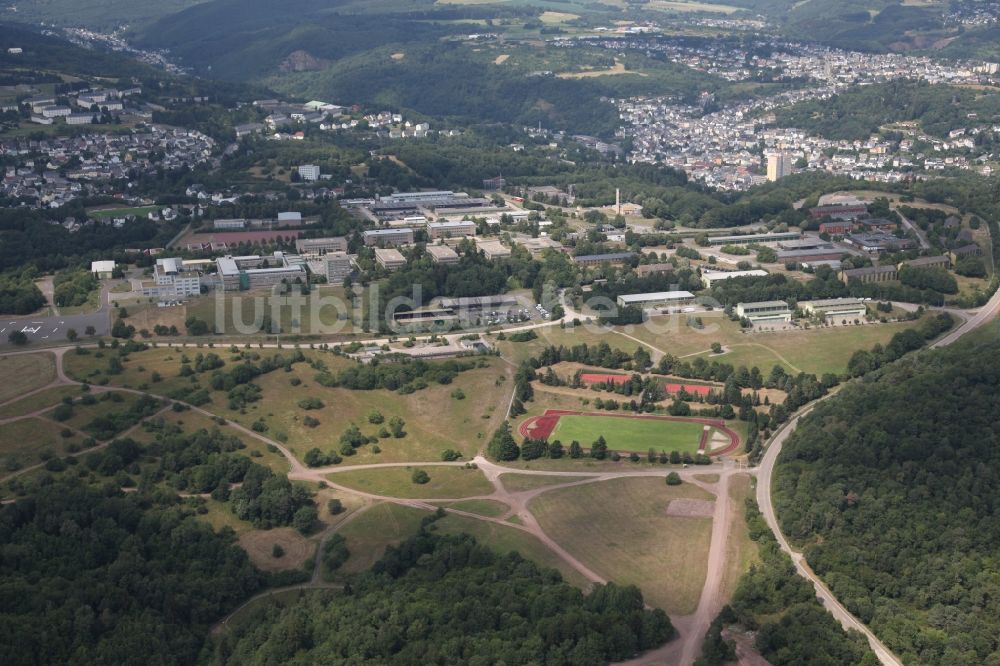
{"type": "Point", "coordinates": [53, 328]}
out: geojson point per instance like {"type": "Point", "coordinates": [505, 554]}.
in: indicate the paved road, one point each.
{"type": "Point", "coordinates": [764, 500]}
{"type": "Point", "coordinates": [921, 236]}
{"type": "Point", "coordinates": [823, 593]}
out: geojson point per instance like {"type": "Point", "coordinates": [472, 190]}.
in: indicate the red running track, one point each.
{"type": "Point", "coordinates": [541, 427]}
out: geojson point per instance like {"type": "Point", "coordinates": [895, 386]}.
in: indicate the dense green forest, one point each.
{"type": "Point", "coordinates": [19, 295]}
{"type": "Point", "coordinates": [92, 575]}
{"type": "Point", "coordinates": [774, 601]}
{"type": "Point", "coordinates": [891, 489]}
{"type": "Point", "coordinates": [860, 111]}
{"type": "Point", "coordinates": [27, 238]}
{"type": "Point", "coordinates": [450, 600]}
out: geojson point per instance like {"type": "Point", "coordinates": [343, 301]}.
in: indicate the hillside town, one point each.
{"type": "Point", "coordinates": [727, 148]}
{"type": "Point", "coordinates": [52, 172]}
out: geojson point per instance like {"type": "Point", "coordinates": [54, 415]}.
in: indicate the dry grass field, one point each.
{"type": "Point", "coordinates": [445, 482]}
{"type": "Point", "coordinates": [741, 550]}
{"type": "Point", "coordinates": [620, 529]}
{"type": "Point", "coordinates": [37, 401]}
{"type": "Point", "coordinates": [25, 372]}
{"type": "Point", "coordinates": [521, 482]}
{"type": "Point", "coordinates": [506, 539]}
{"type": "Point", "coordinates": [27, 441]}
{"type": "Point", "coordinates": [382, 525]}
{"type": "Point", "coordinates": [259, 545]}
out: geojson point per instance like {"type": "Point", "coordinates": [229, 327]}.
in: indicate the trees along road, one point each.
{"type": "Point", "coordinates": [766, 470]}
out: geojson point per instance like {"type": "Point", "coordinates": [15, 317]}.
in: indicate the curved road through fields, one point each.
{"type": "Point", "coordinates": [766, 470]}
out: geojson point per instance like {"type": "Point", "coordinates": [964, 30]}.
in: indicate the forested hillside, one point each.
{"type": "Point", "coordinates": [93, 576]}
{"type": "Point", "coordinates": [892, 489]}
{"type": "Point", "coordinates": [449, 600]}
{"type": "Point", "coordinates": [860, 111]}
{"type": "Point", "coordinates": [99, 14]}
{"type": "Point", "coordinates": [412, 56]}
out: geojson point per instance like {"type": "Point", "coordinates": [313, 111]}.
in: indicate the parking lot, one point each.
{"type": "Point", "coordinates": [42, 330]}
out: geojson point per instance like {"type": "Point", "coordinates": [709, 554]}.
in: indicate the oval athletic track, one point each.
{"type": "Point", "coordinates": [540, 427]}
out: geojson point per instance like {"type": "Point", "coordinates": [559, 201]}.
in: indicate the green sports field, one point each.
{"type": "Point", "coordinates": [629, 434]}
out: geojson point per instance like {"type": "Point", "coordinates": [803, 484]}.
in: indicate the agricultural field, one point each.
{"type": "Point", "coordinates": [629, 434]}
{"type": "Point", "coordinates": [620, 529]}
{"type": "Point", "coordinates": [445, 482]}
{"type": "Point", "coordinates": [25, 372]}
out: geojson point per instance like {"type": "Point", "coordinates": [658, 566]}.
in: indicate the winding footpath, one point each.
{"type": "Point", "coordinates": [692, 628]}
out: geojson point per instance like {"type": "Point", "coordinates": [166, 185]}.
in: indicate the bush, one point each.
{"type": "Point", "coordinates": [277, 551]}
{"type": "Point", "coordinates": [673, 479]}
{"type": "Point", "coordinates": [420, 477]}
{"type": "Point", "coordinates": [335, 506]}
{"type": "Point", "coordinates": [449, 455]}
{"type": "Point", "coordinates": [62, 412]}
{"type": "Point", "coordinates": [311, 403]}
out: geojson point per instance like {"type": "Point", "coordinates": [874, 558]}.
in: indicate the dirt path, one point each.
{"type": "Point", "coordinates": [690, 628]}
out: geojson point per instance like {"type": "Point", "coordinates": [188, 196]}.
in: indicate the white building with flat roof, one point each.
{"type": "Point", "coordinates": [454, 229]}
{"type": "Point", "coordinates": [656, 299]}
{"type": "Point", "coordinates": [102, 269]}
{"type": "Point", "coordinates": [171, 279]}
{"type": "Point", "coordinates": [765, 312]}
{"type": "Point", "coordinates": [835, 308]}
{"type": "Point", "coordinates": [240, 273]}
{"type": "Point", "coordinates": [309, 172]}
{"type": "Point", "coordinates": [708, 278]}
